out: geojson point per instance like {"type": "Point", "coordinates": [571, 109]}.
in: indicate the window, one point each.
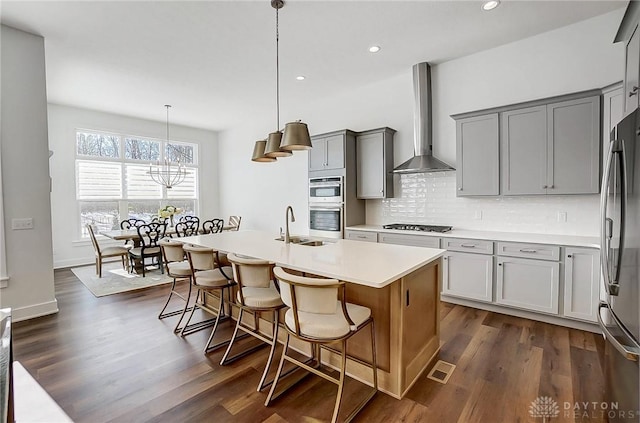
{"type": "Point", "coordinates": [113, 184]}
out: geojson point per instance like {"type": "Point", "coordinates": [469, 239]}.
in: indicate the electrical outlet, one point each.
{"type": "Point", "coordinates": [478, 215]}
{"type": "Point", "coordinates": [20, 224]}
{"type": "Point", "coordinates": [562, 217]}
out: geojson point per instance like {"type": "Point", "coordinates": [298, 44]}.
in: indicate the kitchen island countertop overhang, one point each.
{"type": "Point", "coordinates": [370, 264]}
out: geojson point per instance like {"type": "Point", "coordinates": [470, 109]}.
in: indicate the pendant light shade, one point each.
{"type": "Point", "coordinates": [258, 153]}
{"type": "Point", "coordinates": [273, 148]}
{"type": "Point", "coordinates": [296, 137]}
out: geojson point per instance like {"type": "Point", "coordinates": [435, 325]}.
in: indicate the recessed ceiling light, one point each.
{"type": "Point", "coordinates": [374, 49]}
{"type": "Point", "coordinates": [300, 78]}
{"type": "Point", "coordinates": [490, 5]}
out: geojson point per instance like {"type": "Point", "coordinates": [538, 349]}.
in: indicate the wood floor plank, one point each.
{"type": "Point", "coordinates": [110, 359]}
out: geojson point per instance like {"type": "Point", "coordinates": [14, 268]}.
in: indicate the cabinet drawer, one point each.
{"type": "Point", "coordinates": [413, 240]}
{"type": "Point", "coordinates": [536, 251]}
{"type": "Point", "coordinates": [361, 236]}
{"type": "Point", "coordinates": [468, 245]}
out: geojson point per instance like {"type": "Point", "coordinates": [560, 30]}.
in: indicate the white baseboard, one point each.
{"type": "Point", "coordinates": [34, 310]}
{"type": "Point", "coordinates": [560, 321]}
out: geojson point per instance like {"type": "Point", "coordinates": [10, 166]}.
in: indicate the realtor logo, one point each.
{"type": "Point", "coordinates": [545, 407]}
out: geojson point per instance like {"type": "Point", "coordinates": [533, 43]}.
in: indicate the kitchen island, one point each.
{"type": "Point", "coordinates": [400, 284]}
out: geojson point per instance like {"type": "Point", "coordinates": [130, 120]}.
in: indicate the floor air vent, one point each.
{"type": "Point", "coordinates": [441, 371]}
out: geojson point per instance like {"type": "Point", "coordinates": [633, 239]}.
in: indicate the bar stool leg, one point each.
{"type": "Point", "coordinates": [343, 367]}
{"type": "Point", "coordinates": [279, 372]}
{"type": "Point", "coordinates": [215, 325]}
{"type": "Point", "coordinates": [274, 343]}
{"type": "Point", "coordinates": [233, 337]}
{"type": "Point", "coordinates": [193, 310]}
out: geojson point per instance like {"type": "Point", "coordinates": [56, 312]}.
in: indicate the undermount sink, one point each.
{"type": "Point", "coordinates": [304, 241]}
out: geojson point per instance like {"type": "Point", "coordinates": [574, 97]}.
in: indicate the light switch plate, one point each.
{"type": "Point", "coordinates": [478, 215]}
{"type": "Point", "coordinates": [562, 217]}
{"type": "Point", "coordinates": [23, 223]}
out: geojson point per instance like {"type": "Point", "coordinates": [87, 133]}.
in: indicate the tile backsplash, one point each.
{"type": "Point", "coordinates": [430, 198]}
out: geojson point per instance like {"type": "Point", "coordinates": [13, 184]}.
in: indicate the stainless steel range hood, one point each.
{"type": "Point", "coordinates": [423, 160]}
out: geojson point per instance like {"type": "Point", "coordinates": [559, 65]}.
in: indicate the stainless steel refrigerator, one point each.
{"type": "Point", "coordinates": [619, 314]}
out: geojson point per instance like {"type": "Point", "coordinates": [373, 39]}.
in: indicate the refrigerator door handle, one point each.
{"type": "Point", "coordinates": [631, 353]}
{"type": "Point", "coordinates": [606, 223]}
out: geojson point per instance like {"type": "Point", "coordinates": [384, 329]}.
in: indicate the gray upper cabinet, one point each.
{"type": "Point", "coordinates": [477, 155]}
{"type": "Point", "coordinates": [632, 71]}
{"type": "Point", "coordinates": [374, 163]}
{"type": "Point", "coordinates": [573, 144]}
{"type": "Point", "coordinates": [524, 151]}
{"type": "Point", "coordinates": [327, 152]}
{"type": "Point", "coordinates": [552, 149]}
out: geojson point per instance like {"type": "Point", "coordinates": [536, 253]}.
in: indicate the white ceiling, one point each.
{"type": "Point", "coordinates": [214, 61]}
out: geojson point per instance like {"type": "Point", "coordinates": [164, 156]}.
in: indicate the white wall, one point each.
{"type": "Point", "coordinates": [574, 58]}
{"type": "Point", "coordinates": [25, 175]}
{"type": "Point", "coordinates": [68, 247]}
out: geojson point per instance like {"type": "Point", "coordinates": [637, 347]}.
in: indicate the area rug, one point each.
{"type": "Point", "coordinates": [116, 280]}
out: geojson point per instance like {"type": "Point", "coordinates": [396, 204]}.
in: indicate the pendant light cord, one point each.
{"type": "Point", "coordinates": [277, 73]}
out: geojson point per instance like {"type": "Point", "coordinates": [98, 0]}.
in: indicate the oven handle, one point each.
{"type": "Point", "coordinates": [325, 208]}
{"type": "Point", "coordinates": [631, 353]}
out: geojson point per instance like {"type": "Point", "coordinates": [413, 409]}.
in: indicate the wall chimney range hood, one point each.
{"type": "Point", "coordinates": [423, 160]}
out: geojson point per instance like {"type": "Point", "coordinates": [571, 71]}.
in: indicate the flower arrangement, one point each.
{"type": "Point", "coordinates": [169, 211]}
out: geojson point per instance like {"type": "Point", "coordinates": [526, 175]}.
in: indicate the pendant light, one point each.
{"type": "Point", "coordinates": [258, 153]}
{"type": "Point", "coordinates": [168, 173]}
{"type": "Point", "coordinates": [296, 134]}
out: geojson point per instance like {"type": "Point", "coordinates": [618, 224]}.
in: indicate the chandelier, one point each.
{"type": "Point", "coordinates": [168, 173]}
{"type": "Point", "coordinates": [295, 135]}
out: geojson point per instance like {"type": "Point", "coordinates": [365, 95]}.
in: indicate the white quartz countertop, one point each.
{"type": "Point", "coordinates": [363, 263]}
{"type": "Point", "coordinates": [566, 240]}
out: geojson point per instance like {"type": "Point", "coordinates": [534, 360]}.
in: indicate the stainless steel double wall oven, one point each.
{"type": "Point", "coordinates": [326, 206]}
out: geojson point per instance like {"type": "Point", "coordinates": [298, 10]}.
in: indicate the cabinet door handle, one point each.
{"type": "Point", "coordinates": [569, 256]}
{"type": "Point", "coordinates": [551, 186]}
{"type": "Point", "coordinates": [633, 92]}
{"type": "Point", "coordinates": [544, 187]}
{"type": "Point", "coordinates": [528, 250]}
{"type": "Point", "coordinates": [468, 245]}
{"type": "Point", "coordinates": [499, 264]}
{"type": "Point", "coordinates": [459, 189]}
{"type": "Point", "coordinates": [407, 298]}
{"type": "Point", "coordinates": [361, 236]}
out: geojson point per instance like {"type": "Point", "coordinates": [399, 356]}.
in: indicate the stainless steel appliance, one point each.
{"type": "Point", "coordinates": [619, 314]}
{"type": "Point", "coordinates": [326, 190]}
{"type": "Point", "coordinates": [326, 220]}
{"type": "Point", "coordinates": [416, 227]}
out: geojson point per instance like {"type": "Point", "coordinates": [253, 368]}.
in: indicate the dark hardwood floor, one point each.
{"type": "Point", "coordinates": [110, 359]}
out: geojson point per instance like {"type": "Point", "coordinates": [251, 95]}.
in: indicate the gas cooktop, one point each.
{"type": "Point", "coordinates": [421, 228]}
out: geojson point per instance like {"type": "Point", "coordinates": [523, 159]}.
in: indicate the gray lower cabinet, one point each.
{"type": "Point", "coordinates": [581, 283]}
{"type": "Point", "coordinates": [551, 149]}
{"type": "Point", "coordinates": [528, 284]}
{"type": "Point", "coordinates": [374, 163]}
{"type": "Point", "coordinates": [477, 155]}
{"type": "Point", "coordinates": [468, 268]}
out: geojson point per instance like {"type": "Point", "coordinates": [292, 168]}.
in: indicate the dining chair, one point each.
{"type": "Point", "coordinates": [256, 294]}
{"type": "Point", "coordinates": [208, 278]}
{"type": "Point", "coordinates": [178, 268]}
{"type": "Point", "coordinates": [187, 228]}
{"type": "Point", "coordinates": [234, 223]}
{"type": "Point", "coordinates": [131, 223]}
{"type": "Point", "coordinates": [102, 253]}
{"type": "Point", "coordinates": [212, 226]}
{"type": "Point", "coordinates": [150, 234]}
{"type": "Point", "coordinates": [320, 315]}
